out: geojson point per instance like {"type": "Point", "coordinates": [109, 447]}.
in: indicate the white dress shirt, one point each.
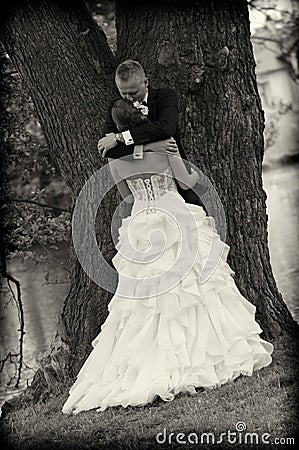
{"type": "Point", "coordinates": [138, 149]}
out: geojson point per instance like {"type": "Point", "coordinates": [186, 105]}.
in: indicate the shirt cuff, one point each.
{"type": "Point", "coordinates": [138, 152]}
{"type": "Point", "coordinates": [127, 137]}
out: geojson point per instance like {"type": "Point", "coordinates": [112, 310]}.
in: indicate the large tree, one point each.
{"type": "Point", "coordinates": [203, 50]}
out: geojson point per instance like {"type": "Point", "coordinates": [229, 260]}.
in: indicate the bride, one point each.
{"type": "Point", "coordinates": [169, 329]}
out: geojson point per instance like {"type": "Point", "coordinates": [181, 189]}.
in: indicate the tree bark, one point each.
{"type": "Point", "coordinates": [202, 49]}
{"type": "Point", "coordinates": [67, 67]}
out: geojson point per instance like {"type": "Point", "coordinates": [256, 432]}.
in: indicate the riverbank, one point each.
{"type": "Point", "coordinates": [265, 403]}
{"type": "Point", "coordinates": [282, 161]}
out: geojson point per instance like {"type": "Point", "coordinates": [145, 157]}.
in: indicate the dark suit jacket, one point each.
{"type": "Point", "coordinates": [163, 115]}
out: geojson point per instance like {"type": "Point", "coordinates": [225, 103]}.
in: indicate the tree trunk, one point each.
{"type": "Point", "coordinates": [67, 67]}
{"type": "Point", "coordinates": [202, 49]}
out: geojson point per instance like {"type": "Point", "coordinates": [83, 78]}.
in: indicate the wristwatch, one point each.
{"type": "Point", "coordinates": [119, 137]}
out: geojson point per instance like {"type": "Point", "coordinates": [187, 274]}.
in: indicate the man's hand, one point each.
{"type": "Point", "coordinates": [165, 146]}
{"type": "Point", "coordinates": [107, 142]}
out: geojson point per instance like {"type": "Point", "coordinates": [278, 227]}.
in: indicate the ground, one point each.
{"type": "Point", "coordinates": [265, 403]}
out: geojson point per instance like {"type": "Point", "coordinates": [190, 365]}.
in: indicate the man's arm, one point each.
{"type": "Point", "coordinates": [162, 128]}
{"type": "Point", "coordinates": [166, 123]}
{"type": "Point", "coordinates": [120, 149]}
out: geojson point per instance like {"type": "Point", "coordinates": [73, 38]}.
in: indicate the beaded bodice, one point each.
{"type": "Point", "coordinates": [154, 187]}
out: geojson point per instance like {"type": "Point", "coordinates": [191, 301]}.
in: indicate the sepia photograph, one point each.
{"type": "Point", "coordinates": [149, 216]}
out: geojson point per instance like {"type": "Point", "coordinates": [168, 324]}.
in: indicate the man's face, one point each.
{"type": "Point", "coordinates": [133, 89]}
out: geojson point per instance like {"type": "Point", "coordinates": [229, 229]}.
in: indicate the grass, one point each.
{"type": "Point", "coordinates": [265, 402]}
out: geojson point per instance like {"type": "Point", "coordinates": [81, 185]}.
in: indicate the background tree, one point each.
{"type": "Point", "coordinates": [203, 50]}
{"type": "Point", "coordinates": [279, 33]}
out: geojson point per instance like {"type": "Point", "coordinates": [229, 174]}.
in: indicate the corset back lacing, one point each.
{"type": "Point", "coordinates": [152, 188]}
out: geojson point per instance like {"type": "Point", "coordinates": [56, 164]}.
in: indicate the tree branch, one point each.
{"type": "Point", "coordinates": [18, 301]}
{"type": "Point", "coordinates": [34, 202]}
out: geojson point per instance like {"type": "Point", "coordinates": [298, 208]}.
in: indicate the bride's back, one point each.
{"type": "Point", "coordinates": [152, 163]}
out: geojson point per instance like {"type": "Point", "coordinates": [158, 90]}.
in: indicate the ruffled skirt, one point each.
{"type": "Point", "coordinates": [177, 320]}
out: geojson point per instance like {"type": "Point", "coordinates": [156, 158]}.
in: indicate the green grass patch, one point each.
{"type": "Point", "coordinates": [265, 402]}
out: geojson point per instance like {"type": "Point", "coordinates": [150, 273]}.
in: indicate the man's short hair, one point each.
{"type": "Point", "coordinates": [128, 69]}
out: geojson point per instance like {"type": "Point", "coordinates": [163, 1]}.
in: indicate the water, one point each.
{"type": "Point", "coordinates": [43, 302]}
{"type": "Point", "coordinates": [282, 188]}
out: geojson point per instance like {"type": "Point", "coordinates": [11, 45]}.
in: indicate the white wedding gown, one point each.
{"type": "Point", "coordinates": [179, 321]}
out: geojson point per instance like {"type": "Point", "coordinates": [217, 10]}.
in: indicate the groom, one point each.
{"type": "Point", "coordinates": [157, 135]}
